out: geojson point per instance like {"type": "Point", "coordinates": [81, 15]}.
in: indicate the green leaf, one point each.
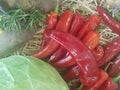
{"type": "Point", "coordinates": [117, 16]}
{"type": "Point", "coordinates": [19, 19]}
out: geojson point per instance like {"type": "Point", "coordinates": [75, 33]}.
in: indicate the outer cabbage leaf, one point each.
{"type": "Point", "coordinates": [28, 73]}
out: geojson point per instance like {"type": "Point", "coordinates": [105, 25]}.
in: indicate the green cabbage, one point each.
{"type": "Point", "coordinates": [28, 73]}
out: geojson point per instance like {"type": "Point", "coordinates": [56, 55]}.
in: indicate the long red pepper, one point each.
{"type": "Point", "coordinates": [84, 58]}
{"type": "Point", "coordinates": [108, 20]}
{"type": "Point", "coordinates": [103, 77]}
{"type": "Point", "coordinates": [92, 24]}
{"type": "Point", "coordinates": [91, 40]}
{"type": "Point", "coordinates": [114, 68]}
{"type": "Point", "coordinates": [51, 20]}
{"type": "Point", "coordinates": [98, 52]}
{"type": "Point", "coordinates": [109, 85]}
{"type": "Point", "coordinates": [71, 73]}
{"type": "Point", "coordinates": [50, 24]}
{"type": "Point", "coordinates": [111, 51]}
{"type": "Point", "coordinates": [64, 62]}
{"type": "Point", "coordinates": [62, 25]}
{"type": "Point", "coordinates": [60, 53]}
{"type": "Point", "coordinates": [77, 22]}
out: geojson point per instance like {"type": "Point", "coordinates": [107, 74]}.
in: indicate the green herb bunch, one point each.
{"type": "Point", "coordinates": [19, 19]}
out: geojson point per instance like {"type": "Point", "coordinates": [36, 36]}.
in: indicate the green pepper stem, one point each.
{"type": "Point", "coordinates": [116, 79]}
{"type": "Point", "coordinates": [57, 7]}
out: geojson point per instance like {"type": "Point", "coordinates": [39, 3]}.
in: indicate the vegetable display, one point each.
{"type": "Point", "coordinates": [75, 48]}
{"type": "Point", "coordinates": [28, 73]}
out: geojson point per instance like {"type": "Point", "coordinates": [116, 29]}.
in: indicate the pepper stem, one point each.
{"type": "Point", "coordinates": [108, 65]}
{"type": "Point", "coordinates": [116, 79]}
{"type": "Point", "coordinates": [57, 7]}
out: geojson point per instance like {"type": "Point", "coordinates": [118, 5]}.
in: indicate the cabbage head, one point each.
{"type": "Point", "coordinates": [28, 73]}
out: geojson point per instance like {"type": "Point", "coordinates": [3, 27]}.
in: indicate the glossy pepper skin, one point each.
{"type": "Point", "coordinates": [91, 40]}
{"type": "Point", "coordinates": [98, 52]}
{"type": "Point", "coordinates": [103, 77]}
{"type": "Point", "coordinates": [71, 73]}
{"type": "Point", "coordinates": [108, 20]}
{"type": "Point", "coordinates": [51, 20]}
{"type": "Point", "coordinates": [77, 22]}
{"type": "Point", "coordinates": [82, 55]}
{"type": "Point", "coordinates": [64, 62]}
{"type": "Point", "coordinates": [62, 25]}
{"type": "Point", "coordinates": [50, 24]}
{"type": "Point", "coordinates": [109, 85]}
{"type": "Point", "coordinates": [114, 68]}
{"type": "Point", "coordinates": [60, 53]}
{"type": "Point", "coordinates": [91, 24]}
{"type": "Point", "coordinates": [111, 51]}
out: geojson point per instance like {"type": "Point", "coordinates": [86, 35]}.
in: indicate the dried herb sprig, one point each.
{"type": "Point", "coordinates": [19, 19]}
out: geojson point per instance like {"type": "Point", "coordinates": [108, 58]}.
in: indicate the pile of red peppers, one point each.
{"type": "Point", "coordinates": [71, 42]}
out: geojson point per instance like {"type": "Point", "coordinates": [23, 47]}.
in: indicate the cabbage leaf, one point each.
{"type": "Point", "coordinates": [28, 73]}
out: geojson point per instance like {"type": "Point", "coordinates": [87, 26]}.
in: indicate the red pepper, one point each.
{"type": "Point", "coordinates": [65, 62]}
{"type": "Point", "coordinates": [50, 24]}
{"type": "Point", "coordinates": [62, 25]}
{"type": "Point", "coordinates": [71, 73]}
{"type": "Point", "coordinates": [83, 56]}
{"type": "Point", "coordinates": [103, 78]}
{"type": "Point", "coordinates": [51, 21]}
{"type": "Point", "coordinates": [60, 53]}
{"type": "Point", "coordinates": [91, 40]}
{"type": "Point", "coordinates": [98, 52]}
{"type": "Point", "coordinates": [114, 68]}
{"type": "Point", "coordinates": [108, 20]}
{"type": "Point", "coordinates": [92, 24]}
{"type": "Point", "coordinates": [76, 24]}
{"type": "Point", "coordinates": [108, 85]}
{"type": "Point", "coordinates": [111, 51]}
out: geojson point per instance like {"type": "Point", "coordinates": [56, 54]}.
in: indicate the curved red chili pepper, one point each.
{"type": "Point", "coordinates": [92, 23]}
{"type": "Point", "coordinates": [108, 20]}
{"type": "Point", "coordinates": [50, 24]}
{"type": "Point", "coordinates": [62, 25]}
{"type": "Point", "coordinates": [111, 51]}
{"type": "Point", "coordinates": [76, 24]}
{"type": "Point", "coordinates": [91, 40]}
{"type": "Point", "coordinates": [83, 56]}
{"type": "Point", "coordinates": [114, 68]}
